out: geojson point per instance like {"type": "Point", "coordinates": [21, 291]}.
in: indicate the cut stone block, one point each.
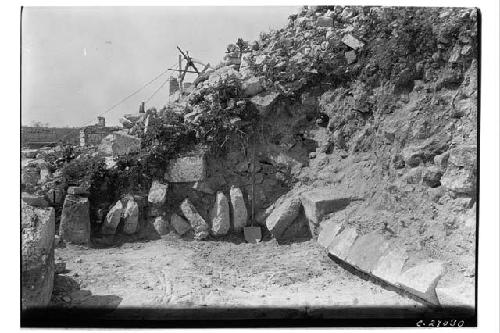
{"type": "Point", "coordinates": [283, 216]}
{"type": "Point", "coordinates": [75, 220]}
{"type": "Point", "coordinates": [221, 220]}
{"type": "Point", "coordinates": [352, 42]}
{"type": "Point", "coordinates": [367, 250]}
{"type": "Point", "coordinates": [264, 102]}
{"type": "Point", "coordinates": [180, 225]}
{"type": "Point", "coordinates": [37, 253]}
{"type": "Point", "coordinates": [342, 243]}
{"type": "Point", "coordinates": [157, 193]}
{"type": "Point", "coordinates": [131, 216]}
{"type": "Point", "coordinates": [186, 169]}
{"type": "Point", "coordinates": [456, 295]}
{"type": "Point", "coordinates": [390, 265]}
{"type": "Point", "coordinates": [112, 219]}
{"type": "Point", "coordinates": [329, 230]}
{"type": "Point", "coordinates": [318, 203]}
{"type": "Point", "coordinates": [422, 279]}
{"type": "Point", "coordinates": [324, 21]}
{"type": "Point", "coordinates": [197, 222]}
{"type": "Point", "coordinates": [239, 209]}
{"type": "Point", "coordinates": [119, 143]}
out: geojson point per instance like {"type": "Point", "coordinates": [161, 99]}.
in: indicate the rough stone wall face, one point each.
{"type": "Point", "coordinates": [37, 277]}
{"type": "Point", "coordinates": [75, 220]}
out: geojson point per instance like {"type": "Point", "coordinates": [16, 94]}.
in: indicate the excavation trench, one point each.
{"type": "Point", "coordinates": [170, 273]}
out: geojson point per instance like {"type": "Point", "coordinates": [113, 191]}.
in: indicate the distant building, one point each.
{"type": "Point", "coordinates": [93, 135]}
{"type": "Point", "coordinates": [36, 137]}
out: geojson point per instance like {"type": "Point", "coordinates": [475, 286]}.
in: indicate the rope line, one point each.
{"type": "Point", "coordinates": [123, 100]}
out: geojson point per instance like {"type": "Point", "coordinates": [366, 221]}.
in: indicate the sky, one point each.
{"type": "Point", "coordinates": [79, 61]}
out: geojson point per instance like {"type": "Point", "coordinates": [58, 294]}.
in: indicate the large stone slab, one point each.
{"type": "Point", "coordinates": [180, 225]}
{"type": "Point", "coordinates": [186, 169]}
{"type": "Point", "coordinates": [352, 42]}
{"type": "Point", "coordinates": [456, 295]}
{"type": "Point", "coordinates": [328, 231]}
{"type": "Point", "coordinates": [221, 220]}
{"type": "Point", "coordinates": [239, 209]}
{"type": "Point", "coordinates": [112, 219]}
{"type": "Point", "coordinates": [390, 265]}
{"type": "Point", "coordinates": [367, 250]}
{"type": "Point", "coordinates": [320, 202]}
{"type": "Point", "coordinates": [131, 216]}
{"type": "Point", "coordinates": [158, 193]}
{"type": "Point", "coordinates": [342, 243]}
{"type": "Point", "coordinates": [119, 143]}
{"type": "Point", "coordinates": [422, 279]}
{"type": "Point", "coordinates": [75, 220]}
{"type": "Point", "coordinates": [37, 254]}
{"type": "Point", "coordinates": [283, 216]}
{"type": "Point", "coordinates": [197, 222]}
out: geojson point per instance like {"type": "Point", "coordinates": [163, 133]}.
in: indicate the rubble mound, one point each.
{"type": "Point", "coordinates": [353, 125]}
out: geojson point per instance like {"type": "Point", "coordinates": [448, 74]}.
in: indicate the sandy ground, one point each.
{"type": "Point", "coordinates": [171, 272]}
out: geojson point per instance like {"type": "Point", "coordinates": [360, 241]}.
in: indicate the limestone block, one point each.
{"type": "Point", "coordinates": [422, 279]}
{"type": "Point", "coordinates": [220, 215]}
{"type": "Point", "coordinates": [328, 231]}
{"type": "Point", "coordinates": [75, 220]}
{"type": "Point", "coordinates": [283, 216]}
{"type": "Point", "coordinates": [197, 222]}
{"type": "Point", "coordinates": [342, 243]}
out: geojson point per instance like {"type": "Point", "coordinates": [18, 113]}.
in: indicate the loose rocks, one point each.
{"type": "Point", "coordinates": [240, 215]}
{"type": "Point", "coordinates": [197, 222]}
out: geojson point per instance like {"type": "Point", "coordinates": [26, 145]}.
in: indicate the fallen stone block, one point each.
{"type": "Point", "coordinates": [390, 265]}
{"type": "Point", "coordinates": [456, 295]}
{"type": "Point", "coordinates": [342, 243]}
{"type": "Point", "coordinates": [34, 200]}
{"type": "Point", "coordinates": [158, 193]}
{"type": "Point", "coordinates": [160, 224]}
{"type": "Point", "coordinates": [352, 42]}
{"type": "Point", "coordinates": [422, 279]}
{"type": "Point", "coordinates": [320, 202]}
{"type": "Point", "coordinates": [240, 215]}
{"type": "Point", "coordinates": [221, 220]}
{"type": "Point", "coordinates": [283, 216]}
{"type": "Point", "coordinates": [328, 231]}
{"type": "Point", "coordinates": [131, 216]}
{"type": "Point", "coordinates": [367, 250]}
{"type": "Point", "coordinates": [75, 220]}
{"type": "Point", "coordinates": [119, 143]}
{"type": "Point", "coordinates": [37, 256]}
{"type": "Point", "coordinates": [251, 86]}
{"type": "Point", "coordinates": [197, 222]}
{"type": "Point", "coordinates": [264, 102]}
{"type": "Point", "coordinates": [441, 161]}
{"type": "Point", "coordinates": [112, 219]}
{"type": "Point", "coordinates": [180, 225]}
{"type": "Point", "coordinates": [186, 169]}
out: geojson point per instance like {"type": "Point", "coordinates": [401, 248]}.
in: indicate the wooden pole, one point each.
{"type": "Point", "coordinates": [253, 181]}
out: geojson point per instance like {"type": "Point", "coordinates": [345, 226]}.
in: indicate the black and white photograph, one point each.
{"type": "Point", "coordinates": [250, 166]}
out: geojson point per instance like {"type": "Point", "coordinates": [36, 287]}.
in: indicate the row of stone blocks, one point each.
{"type": "Point", "coordinates": [371, 253]}
{"type": "Point", "coordinates": [374, 255]}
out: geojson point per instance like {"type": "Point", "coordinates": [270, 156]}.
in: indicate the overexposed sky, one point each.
{"type": "Point", "coordinates": [79, 61]}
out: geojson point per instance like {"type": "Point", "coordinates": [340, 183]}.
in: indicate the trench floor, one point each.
{"type": "Point", "coordinates": [171, 272]}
